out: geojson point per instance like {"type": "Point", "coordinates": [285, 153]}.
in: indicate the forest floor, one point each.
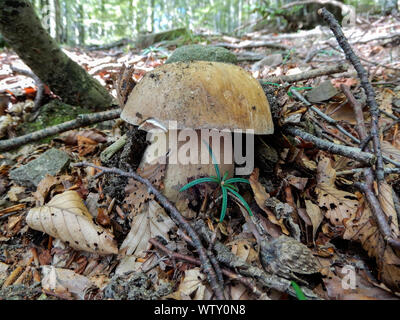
{"type": "Point", "coordinates": [297, 190]}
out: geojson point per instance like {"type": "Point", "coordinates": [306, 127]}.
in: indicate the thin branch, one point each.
{"type": "Point", "coordinates": [249, 283]}
{"type": "Point", "coordinates": [369, 91]}
{"type": "Point", "coordinates": [82, 120]}
{"type": "Point", "coordinates": [176, 216]}
{"type": "Point", "coordinates": [308, 74]}
{"type": "Point", "coordinates": [38, 82]}
{"type": "Point", "coordinates": [349, 152]}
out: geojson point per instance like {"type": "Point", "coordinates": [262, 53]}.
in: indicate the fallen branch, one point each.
{"type": "Point", "coordinates": [367, 187]}
{"type": "Point", "coordinates": [233, 276]}
{"type": "Point", "coordinates": [369, 91]}
{"type": "Point", "coordinates": [38, 82]}
{"type": "Point", "coordinates": [82, 120]}
{"type": "Point", "coordinates": [226, 257]}
{"type": "Point", "coordinates": [348, 152]}
{"type": "Point", "coordinates": [309, 74]}
{"type": "Point", "coordinates": [252, 44]}
{"type": "Point", "coordinates": [176, 216]}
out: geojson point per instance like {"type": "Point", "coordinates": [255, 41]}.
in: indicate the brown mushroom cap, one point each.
{"type": "Point", "coordinates": [200, 95]}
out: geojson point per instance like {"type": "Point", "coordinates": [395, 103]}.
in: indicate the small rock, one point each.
{"type": "Point", "coordinates": [202, 53]}
{"type": "Point", "coordinates": [51, 162]}
{"type": "Point", "coordinates": [323, 92]}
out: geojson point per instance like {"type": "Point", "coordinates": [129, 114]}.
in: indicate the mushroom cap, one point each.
{"type": "Point", "coordinates": [200, 95]}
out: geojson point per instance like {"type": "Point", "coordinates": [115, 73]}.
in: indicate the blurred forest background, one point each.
{"type": "Point", "coordinates": [91, 22]}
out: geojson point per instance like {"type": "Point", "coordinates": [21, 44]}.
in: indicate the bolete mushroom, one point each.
{"type": "Point", "coordinates": [198, 95]}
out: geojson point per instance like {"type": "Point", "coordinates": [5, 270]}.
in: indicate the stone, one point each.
{"type": "Point", "coordinates": [51, 162]}
{"type": "Point", "coordinates": [323, 92]}
{"type": "Point", "coordinates": [202, 53]}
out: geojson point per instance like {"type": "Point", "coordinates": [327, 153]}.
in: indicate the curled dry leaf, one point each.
{"type": "Point", "coordinates": [390, 151]}
{"type": "Point", "coordinates": [261, 196]}
{"type": "Point", "coordinates": [151, 222]}
{"type": "Point", "coordinates": [65, 217]}
{"type": "Point", "coordinates": [339, 206]}
{"type": "Point", "coordinates": [315, 214]}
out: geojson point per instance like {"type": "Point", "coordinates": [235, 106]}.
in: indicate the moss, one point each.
{"type": "Point", "coordinates": [51, 114]}
{"type": "Point", "coordinates": [202, 53]}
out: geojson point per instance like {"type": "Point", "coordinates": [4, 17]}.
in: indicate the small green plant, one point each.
{"type": "Point", "coordinates": [153, 50]}
{"type": "Point", "coordinates": [226, 186]}
{"type": "Point", "coordinates": [299, 293]}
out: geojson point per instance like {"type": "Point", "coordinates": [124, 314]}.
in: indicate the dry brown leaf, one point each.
{"type": "Point", "coordinates": [297, 182]}
{"type": "Point", "coordinates": [65, 281]}
{"type": "Point", "coordinates": [137, 193]}
{"type": "Point", "coordinates": [260, 195]}
{"type": "Point", "coordinates": [244, 250]}
{"type": "Point", "coordinates": [44, 188]}
{"type": "Point", "coordinates": [339, 206]}
{"type": "Point", "coordinates": [192, 285]}
{"type": "Point", "coordinates": [385, 198]}
{"type": "Point", "coordinates": [65, 217]}
{"type": "Point", "coordinates": [315, 214]}
{"type": "Point", "coordinates": [363, 228]}
{"type": "Point", "coordinates": [390, 151]}
{"type": "Point", "coordinates": [151, 222]}
{"type": "Point", "coordinates": [71, 137]}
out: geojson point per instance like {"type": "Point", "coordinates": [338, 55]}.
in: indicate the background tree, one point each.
{"type": "Point", "coordinates": [24, 32]}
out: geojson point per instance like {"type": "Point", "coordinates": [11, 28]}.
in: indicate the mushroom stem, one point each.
{"type": "Point", "coordinates": [188, 156]}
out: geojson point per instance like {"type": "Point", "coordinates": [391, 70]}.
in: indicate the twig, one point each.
{"type": "Point", "coordinates": [367, 187]}
{"type": "Point", "coordinates": [346, 151]}
{"type": "Point", "coordinates": [81, 121]}
{"type": "Point", "coordinates": [38, 82]}
{"type": "Point", "coordinates": [245, 281]}
{"type": "Point", "coordinates": [225, 256]}
{"type": "Point", "coordinates": [324, 116]}
{"type": "Point", "coordinates": [369, 91]}
{"type": "Point", "coordinates": [308, 74]}
{"type": "Point", "coordinates": [177, 217]}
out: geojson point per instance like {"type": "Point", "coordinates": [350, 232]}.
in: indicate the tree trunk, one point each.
{"type": "Point", "coordinates": [23, 31]}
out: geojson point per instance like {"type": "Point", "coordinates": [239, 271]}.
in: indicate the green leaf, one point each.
{"type": "Point", "coordinates": [197, 181]}
{"type": "Point", "coordinates": [299, 293]}
{"type": "Point", "coordinates": [225, 175]}
{"type": "Point", "coordinates": [213, 160]}
{"type": "Point", "coordinates": [245, 204]}
{"type": "Point", "coordinates": [228, 185]}
{"type": "Point", "coordinates": [224, 204]}
{"type": "Point", "coordinates": [233, 180]}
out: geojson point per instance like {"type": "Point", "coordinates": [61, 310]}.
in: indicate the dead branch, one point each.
{"type": "Point", "coordinates": [367, 187]}
{"type": "Point", "coordinates": [369, 91]}
{"type": "Point", "coordinates": [38, 82]}
{"type": "Point", "coordinates": [226, 257]}
{"type": "Point", "coordinates": [249, 283]}
{"type": "Point", "coordinates": [346, 151]}
{"type": "Point", "coordinates": [82, 120]}
{"type": "Point", "coordinates": [176, 216]}
{"type": "Point", "coordinates": [309, 74]}
{"type": "Point", "coordinates": [252, 44]}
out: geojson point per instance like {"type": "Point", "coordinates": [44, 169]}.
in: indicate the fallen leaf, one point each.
{"type": "Point", "coordinates": [338, 205]}
{"type": "Point", "coordinates": [65, 281]}
{"type": "Point", "coordinates": [192, 286]}
{"type": "Point", "coordinates": [66, 217]}
{"type": "Point", "coordinates": [315, 214]}
{"type": "Point", "coordinates": [261, 196]}
{"type": "Point", "coordinates": [151, 222]}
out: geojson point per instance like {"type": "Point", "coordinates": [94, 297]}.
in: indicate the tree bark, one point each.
{"type": "Point", "coordinates": [23, 31]}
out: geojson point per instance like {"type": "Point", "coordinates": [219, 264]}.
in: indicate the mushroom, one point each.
{"type": "Point", "coordinates": [198, 95]}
